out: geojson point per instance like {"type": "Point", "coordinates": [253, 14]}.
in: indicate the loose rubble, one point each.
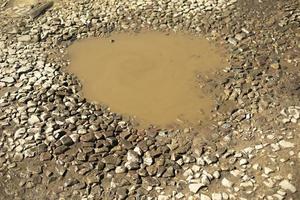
{"type": "Point", "coordinates": [54, 144]}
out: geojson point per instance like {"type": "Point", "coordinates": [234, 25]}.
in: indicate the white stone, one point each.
{"type": "Point", "coordinates": [33, 119]}
{"type": "Point", "coordinates": [259, 146]}
{"type": "Point", "coordinates": [179, 195]}
{"type": "Point", "coordinates": [196, 168]}
{"type": "Point", "coordinates": [268, 170]}
{"type": "Point", "coordinates": [24, 69]}
{"type": "Point", "coordinates": [188, 172]}
{"type": "Point", "coordinates": [204, 197]}
{"type": "Point", "coordinates": [275, 147]}
{"type": "Point", "coordinates": [2, 45]}
{"type": "Point", "coordinates": [120, 169]}
{"type": "Point", "coordinates": [216, 174]}
{"type": "Point", "coordinates": [278, 196]}
{"type": "Point", "coordinates": [162, 197]}
{"type": "Point", "coordinates": [225, 196]}
{"type": "Point", "coordinates": [246, 184]}
{"type": "Point", "coordinates": [195, 187]}
{"type": "Point", "coordinates": [74, 137]}
{"type": "Point", "coordinates": [24, 38]}
{"type": "Point", "coordinates": [19, 133]}
{"type": "Point", "coordinates": [286, 185]}
{"type": "Point", "coordinates": [227, 183]}
{"type": "Point", "coordinates": [236, 172]}
{"type": "Point", "coordinates": [8, 80]}
{"type": "Point", "coordinates": [148, 161]}
{"type": "Point", "coordinates": [216, 196]}
{"type": "Point", "coordinates": [243, 161]}
{"type": "Point", "coordinates": [286, 144]}
{"type": "Point", "coordinates": [138, 150]}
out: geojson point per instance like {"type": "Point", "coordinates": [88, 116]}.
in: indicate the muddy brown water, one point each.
{"type": "Point", "coordinates": [150, 76]}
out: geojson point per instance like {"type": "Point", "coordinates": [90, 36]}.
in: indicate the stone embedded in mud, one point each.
{"type": "Point", "coordinates": [60, 149]}
{"type": "Point", "coordinates": [89, 137]}
{"type": "Point", "coordinates": [216, 196]}
{"type": "Point", "coordinates": [286, 144]}
{"type": "Point", "coordinates": [133, 156]}
{"type": "Point", "coordinates": [24, 38]}
{"type": "Point", "coordinates": [287, 185]}
{"type": "Point", "coordinates": [204, 197]}
{"type": "Point", "coordinates": [225, 182]}
{"type": "Point", "coordinates": [24, 69]}
{"type": "Point", "coordinates": [33, 119]}
{"type": "Point", "coordinates": [195, 187]}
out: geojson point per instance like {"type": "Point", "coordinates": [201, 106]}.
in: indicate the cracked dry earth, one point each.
{"type": "Point", "coordinates": [54, 144]}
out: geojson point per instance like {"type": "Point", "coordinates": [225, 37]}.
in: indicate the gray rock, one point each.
{"type": "Point", "coordinates": [232, 41]}
{"type": "Point", "coordinates": [92, 178]}
{"type": "Point", "coordinates": [170, 172]}
{"type": "Point", "coordinates": [89, 137]}
{"type": "Point", "coordinates": [133, 156]}
{"type": "Point", "coordinates": [70, 182]}
{"type": "Point", "coordinates": [60, 149]}
{"type": "Point", "coordinates": [66, 140]}
{"type": "Point", "coordinates": [122, 193]}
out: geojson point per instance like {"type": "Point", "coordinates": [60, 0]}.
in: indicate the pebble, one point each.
{"type": "Point", "coordinates": [60, 119]}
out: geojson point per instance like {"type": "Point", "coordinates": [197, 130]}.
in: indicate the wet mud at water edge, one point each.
{"type": "Point", "coordinates": [150, 76]}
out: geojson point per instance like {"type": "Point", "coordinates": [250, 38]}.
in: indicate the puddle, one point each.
{"type": "Point", "coordinates": [151, 76]}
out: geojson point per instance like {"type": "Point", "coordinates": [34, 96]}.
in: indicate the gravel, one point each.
{"type": "Point", "coordinates": [55, 144]}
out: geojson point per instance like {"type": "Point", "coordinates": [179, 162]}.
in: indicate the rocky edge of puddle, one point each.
{"type": "Point", "coordinates": [54, 144]}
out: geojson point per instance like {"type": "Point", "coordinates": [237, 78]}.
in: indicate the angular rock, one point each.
{"type": "Point", "coordinates": [89, 137]}
{"type": "Point", "coordinates": [61, 149]}
{"type": "Point", "coordinates": [170, 172]}
{"type": "Point", "coordinates": [204, 197]}
{"type": "Point", "coordinates": [33, 119]}
{"type": "Point", "coordinates": [225, 182]}
{"type": "Point", "coordinates": [287, 185]}
{"type": "Point", "coordinates": [286, 144]}
{"type": "Point", "coordinates": [66, 140]}
{"type": "Point", "coordinates": [195, 187]}
{"type": "Point", "coordinates": [216, 196]}
{"type": "Point", "coordinates": [8, 80]}
{"type": "Point", "coordinates": [24, 38]}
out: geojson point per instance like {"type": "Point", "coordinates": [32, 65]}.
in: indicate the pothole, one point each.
{"type": "Point", "coordinates": [151, 76]}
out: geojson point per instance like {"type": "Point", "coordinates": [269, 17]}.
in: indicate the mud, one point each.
{"type": "Point", "coordinates": [151, 76]}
